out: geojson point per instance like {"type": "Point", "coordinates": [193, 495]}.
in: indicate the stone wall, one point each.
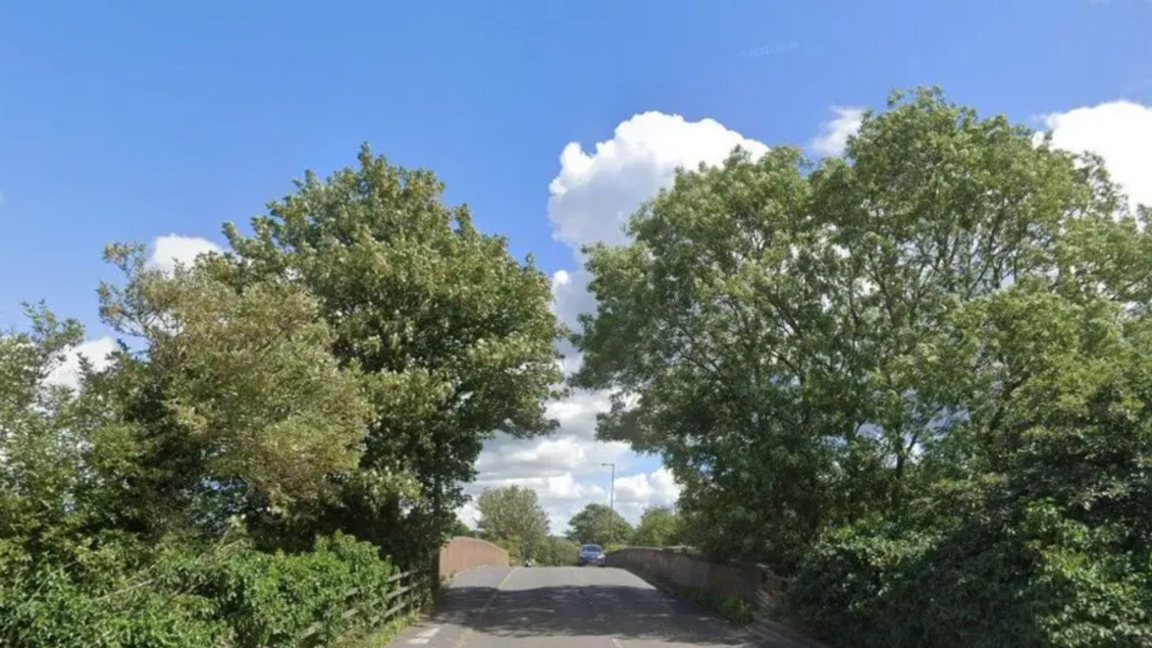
{"type": "Point", "coordinates": [461, 554]}
{"type": "Point", "coordinates": [676, 567]}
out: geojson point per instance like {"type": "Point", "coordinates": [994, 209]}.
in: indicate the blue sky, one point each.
{"type": "Point", "coordinates": [143, 120]}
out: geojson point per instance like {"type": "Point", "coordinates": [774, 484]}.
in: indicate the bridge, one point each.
{"type": "Point", "coordinates": [569, 607]}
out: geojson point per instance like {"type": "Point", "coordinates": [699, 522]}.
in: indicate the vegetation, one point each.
{"type": "Point", "coordinates": [599, 524]}
{"type": "Point", "coordinates": [915, 378]}
{"type": "Point", "coordinates": [734, 609]}
{"type": "Point", "coordinates": [453, 334]}
{"type": "Point", "coordinates": [511, 516]}
{"type": "Point", "coordinates": [284, 427]}
{"type": "Point", "coordinates": [556, 552]}
{"type": "Point", "coordinates": [660, 526]}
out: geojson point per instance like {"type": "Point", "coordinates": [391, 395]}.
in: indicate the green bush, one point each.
{"type": "Point", "coordinates": [1027, 578]}
{"type": "Point", "coordinates": [99, 598]}
{"type": "Point", "coordinates": [122, 596]}
{"type": "Point", "coordinates": [557, 552]}
{"type": "Point", "coordinates": [271, 599]}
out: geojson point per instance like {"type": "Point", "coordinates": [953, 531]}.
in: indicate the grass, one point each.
{"type": "Point", "coordinates": [734, 609]}
{"type": "Point", "coordinates": [382, 636]}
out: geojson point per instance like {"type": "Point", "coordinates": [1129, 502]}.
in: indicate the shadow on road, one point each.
{"type": "Point", "coordinates": [597, 610]}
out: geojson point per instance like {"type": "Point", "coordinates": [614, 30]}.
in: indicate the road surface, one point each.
{"type": "Point", "coordinates": [565, 607]}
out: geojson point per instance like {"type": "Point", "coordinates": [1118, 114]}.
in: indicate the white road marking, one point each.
{"type": "Point", "coordinates": [616, 643]}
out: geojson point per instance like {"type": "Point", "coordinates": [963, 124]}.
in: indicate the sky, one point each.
{"type": "Point", "coordinates": [152, 123]}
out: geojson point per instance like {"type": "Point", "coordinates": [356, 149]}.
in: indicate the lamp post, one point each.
{"type": "Point", "coordinates": [611, 504]}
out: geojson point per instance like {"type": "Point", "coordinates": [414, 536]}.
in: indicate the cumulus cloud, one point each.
{"type": "Point", "coordinates": [834, 134]}
{"type": "Point", "coordinates": [175, 249]}
{"type": "Point", "coordinates": [1120, 132]}
{"type": "Point", "coordinates": [596, 191]}
{"type": "Point", "coordinates": [590, 199]}
{"type": "Point", "coordinates": [635, 493]}
{"type": "Point", "coordinates": [97, 352]}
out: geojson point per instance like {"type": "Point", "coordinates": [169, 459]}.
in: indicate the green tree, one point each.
{"type": "Point", "coordinates": [512, 515]}
{"type": "Point", "coordinates": [237, 401]}
{"type": "Point", "coordinates": [774, 321]}
{"type": "Point", "coordinates": [454, 334]}
{"type": "Point", "coordinates": [659, 526]}
{"type": "Point", "coordinates": [598, 524]}
{"type": "Point", "coordinates": [916, 373]}
{"type": "Point", "coordinates": [556, 552]}
{"type": "Point", "coordinates": [41, 445]}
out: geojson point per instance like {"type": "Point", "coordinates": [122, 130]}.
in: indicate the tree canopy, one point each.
{"type": "Point", "coordinates": [512, 516]}
{"type": "Point", "coordinates": [599, 524]}
{"type": "Point", "coordinates": [453, 335]}
{"type": "Point", "coordinates": [928, 344]}
{"type": "Point", "coordinates": [659, 526]}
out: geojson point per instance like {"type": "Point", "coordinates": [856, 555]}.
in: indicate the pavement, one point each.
{"type": "Point", "coordinates": [567, 607]}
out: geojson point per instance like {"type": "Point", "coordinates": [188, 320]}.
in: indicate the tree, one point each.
{"type": "Point", "coordinates": [915, 373]}
{"type": "Point", "coordinates": [556, 552]}
{"type": "Point", "coordinates": [598, 524]}
{"type": "Point", "coordinates": [659, 527]}
{"type": "Point", "coordinates": [455, 335]}
{"type": "Point", "coordinates": [769, 327]}
{"type": "Point", "coordinates": [512, 515]}
{"type": "Point", "coordinates": [236, 400]}
{"type": "Point", "coordinates": [40, 452]}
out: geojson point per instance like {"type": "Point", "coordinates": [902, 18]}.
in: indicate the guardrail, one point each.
{"type": "Point", "coordinates": [412, 584]}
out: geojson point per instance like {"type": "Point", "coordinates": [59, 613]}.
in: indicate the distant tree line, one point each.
{"type": "Point", "coordinates": [512, 517]}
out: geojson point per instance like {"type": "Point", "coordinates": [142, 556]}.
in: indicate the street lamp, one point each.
{"type": "Point", "coordinates": [611, 504]}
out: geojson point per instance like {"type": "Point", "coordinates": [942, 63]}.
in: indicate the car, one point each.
{"type": "Point", "coordinates": [590, 554]}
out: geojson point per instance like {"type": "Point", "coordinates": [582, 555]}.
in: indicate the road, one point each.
{"type": "Point", "coordinates": [565, 607]}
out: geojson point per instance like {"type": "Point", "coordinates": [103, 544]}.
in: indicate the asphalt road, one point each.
{"type": "Point", "coordinates": [565, 607]}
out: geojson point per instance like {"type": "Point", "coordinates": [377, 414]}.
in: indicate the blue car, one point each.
{"type": "Point", "coordinates": [590, 554]}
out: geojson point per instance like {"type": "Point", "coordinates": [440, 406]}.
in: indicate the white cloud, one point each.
{"type": "Point", "coordinates": [635, 493]}
{"type": "Point", "coordinates": [97, 351]}
{"type": "Point", "coordinates": [596, 191]}
{"type": "Point", "coordinates": [834, 134]}
{"type": "Point", "coordinates": [1120, 132]}
{"type": "Point", "coordinates": [175, 249]}
{"type": "Point", "coordinates": [657, 487]}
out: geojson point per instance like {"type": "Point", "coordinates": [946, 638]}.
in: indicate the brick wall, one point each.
{"type": "Point", "coordinates": [461, 554]}
{"type": "Point", "coordinates": [680, 569]}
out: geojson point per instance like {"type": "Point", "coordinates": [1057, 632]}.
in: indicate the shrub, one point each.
{"type": "Point", "coordinates": [98, 599]}
{"type": "Point", "coordinates": [1028, 577]}
{"type": "Point", "coordinates": [122, 595]}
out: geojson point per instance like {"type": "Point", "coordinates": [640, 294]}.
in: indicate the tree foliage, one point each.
{"type": "Point", "coordinates": [659, 526]}
{"type": "Point", "coordinates": [240, 398]}
{"type": "Point", "coordinates": [599, 524]}
{"type": "Point", "coordinates": [556, 551]}
{"type": "Point", "coordinates": [453, 334]}
{"type": "Point", "coordinates": [512, 516]}
{"type": "Point", "coordinates": [936, 343]}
